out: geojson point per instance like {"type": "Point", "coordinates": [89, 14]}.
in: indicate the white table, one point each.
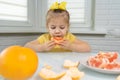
{"type": "Point", "coordinates": [56, 60]}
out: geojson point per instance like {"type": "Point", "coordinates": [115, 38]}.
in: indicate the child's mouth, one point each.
{"type": "Point", "coordinates": [58, 36]}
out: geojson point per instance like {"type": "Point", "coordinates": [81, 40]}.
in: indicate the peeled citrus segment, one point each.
{"type": "Point", "coordinates": [48, 74]}
{"type": "Point", "coordinates": [75, 73]}
{"type": "Point", "coordinates": [111, 56]}
{"type": "Point", "coordinates": [69, 64]}
{"type": "Point", "coordinates": [57, 39]}
{"type": "Point", "coordinates": [96, 62]}
{"type": "Point", "coordinates": [114, 65]}
{"type": "Point", "coordinates": [104, 60]}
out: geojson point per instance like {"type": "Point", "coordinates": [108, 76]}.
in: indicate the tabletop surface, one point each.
{"type": "Point", "coordinates": [56, 60]}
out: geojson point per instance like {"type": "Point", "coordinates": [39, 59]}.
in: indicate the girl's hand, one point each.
{"type": "Point", "coordinates": [48, 46]}
{"type": "Point", "coordinates": [66, 44]}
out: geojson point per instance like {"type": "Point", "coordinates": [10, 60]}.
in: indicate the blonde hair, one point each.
{"type": "Point", "coordinates": [55, 13]}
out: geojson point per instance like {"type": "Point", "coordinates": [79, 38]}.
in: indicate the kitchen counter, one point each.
{"type": "Point", "coordinates": [56, 60]}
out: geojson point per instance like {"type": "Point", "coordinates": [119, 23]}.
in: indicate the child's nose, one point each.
{"type": "Point", "coordinates": [57, 30]}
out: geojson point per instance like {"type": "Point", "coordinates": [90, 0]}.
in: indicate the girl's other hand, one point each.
{"type": "Point", "coordinates": [65, 44]}
{"type": "Point", "coordinates": [48, 46]}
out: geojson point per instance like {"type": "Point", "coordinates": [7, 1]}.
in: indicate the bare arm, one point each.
{"type": "Point", "coordinates": [40, 47]}
{"type": "Point", "coordinates": [76, 46]}
{"type": "Point", "coordinates": [80, 46]}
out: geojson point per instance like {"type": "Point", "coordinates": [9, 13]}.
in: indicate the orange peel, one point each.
{"type": "Point", "coordinates": [69, 64]}
{"type": "Point", "coordinates": [66, 77]}
{"type": "Point", "coordinates": [75, 73]}
{"type": "Point", "coordinates": [48, 74]}
{"type": "Point", "coordinates": [118, 78]}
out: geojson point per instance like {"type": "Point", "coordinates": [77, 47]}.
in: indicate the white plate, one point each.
{"type": "Point", "coordinates": [101, 70]}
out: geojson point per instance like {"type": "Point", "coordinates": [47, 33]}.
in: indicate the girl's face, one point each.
{"type": "Point", "coordinates": [58, 27]}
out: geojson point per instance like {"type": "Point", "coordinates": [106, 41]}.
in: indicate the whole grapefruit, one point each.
{"type": "Point", "coordinates": [18, 63]}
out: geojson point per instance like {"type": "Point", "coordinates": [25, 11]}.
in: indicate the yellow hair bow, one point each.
{"type": "Point", "coordinates": [57, 5]}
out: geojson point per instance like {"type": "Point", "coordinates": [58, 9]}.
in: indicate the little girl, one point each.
{"type": "Point", "coordinates": [57, 23]}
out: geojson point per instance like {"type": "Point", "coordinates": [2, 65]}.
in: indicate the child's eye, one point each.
{"type": "Point", "coordinates": [62, 27]}
{"type": "Point", "coordinates": [52, 27]}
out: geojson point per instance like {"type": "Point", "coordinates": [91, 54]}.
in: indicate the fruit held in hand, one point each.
{"type": "Point", "coordinates": [57, 39]}
{"type": "Point", "coordinates": [18, 63]}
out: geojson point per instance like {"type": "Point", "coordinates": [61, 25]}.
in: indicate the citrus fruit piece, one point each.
{"type": "Point", "coordinates": [18, 63]}
{"type": "Point", "coordinates": [69, 63]}
{"type": "Point", "coordinates": [57, 39]}
{"type": "Point", "coordinates": [95, 62]}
